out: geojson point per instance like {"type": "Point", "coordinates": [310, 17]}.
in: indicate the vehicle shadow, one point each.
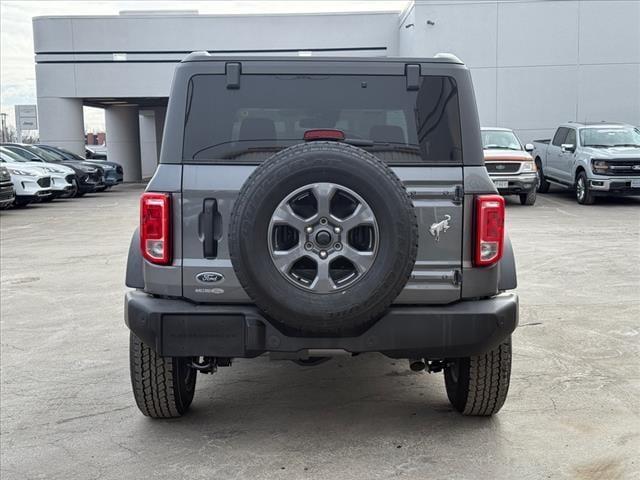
{"type": "Point", "coordinates": [344, 400]}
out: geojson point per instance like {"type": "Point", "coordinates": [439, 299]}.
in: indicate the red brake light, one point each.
{"type": "Point", "coordinates": [155, 227]}
{"type": "Point", "coordinates": [489, 229]}
{"type": "Point", "coordinates": [324, 134]}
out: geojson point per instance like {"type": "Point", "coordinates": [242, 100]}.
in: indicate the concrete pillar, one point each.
{"type": "Point", "coordinates": [123, 140]}
{"type": "Point", "coordinates": [161, 113]}
{"type": "Point", "coordinates": [61, 123]}
{"type": "Point", "coordinates": [148, 144]}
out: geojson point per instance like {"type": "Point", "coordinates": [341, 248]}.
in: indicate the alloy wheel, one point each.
{"type": "Point", "coordinates": [323, 237]}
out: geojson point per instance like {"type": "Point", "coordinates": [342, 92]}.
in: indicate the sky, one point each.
{"type": "Point", "coordinates": [17, 71]}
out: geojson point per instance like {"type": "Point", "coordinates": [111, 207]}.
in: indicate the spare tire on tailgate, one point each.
{"type": "Point", "coordinates": [323, 237]}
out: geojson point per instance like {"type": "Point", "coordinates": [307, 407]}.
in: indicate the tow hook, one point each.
{"type": "Point", "coordinates": [435, 366]}
{"type": "Point", "coordinates": [209, 364]}
{"type": "Point", "coordinates": [432, 366]}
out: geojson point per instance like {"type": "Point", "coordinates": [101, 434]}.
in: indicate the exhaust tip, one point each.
{"type": "Point", "coordinates": [417, 364]}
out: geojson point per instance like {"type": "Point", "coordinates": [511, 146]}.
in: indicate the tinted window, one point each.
{"type": "Point", "coordinates": [571, 137]}
{"type": "Point", "coordinates": [52, 154]}
{"type": "Point", "coordinates": [271, 112]}
{"type": "Point", "coordinates": [558, 138]}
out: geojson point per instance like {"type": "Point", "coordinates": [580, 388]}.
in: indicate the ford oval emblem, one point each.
{"type": "Point", "coordinates": [209, 277]}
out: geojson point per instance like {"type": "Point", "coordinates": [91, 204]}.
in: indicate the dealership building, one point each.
{"type": "Point", "coordinates": [534, 63]}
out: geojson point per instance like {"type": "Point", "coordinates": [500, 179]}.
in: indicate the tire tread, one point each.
{"type": "Point", "coordinates": [489, 376]}
{"type": "Point", "coordinates": [153, 380]}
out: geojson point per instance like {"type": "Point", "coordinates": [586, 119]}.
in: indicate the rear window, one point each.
{"type": "Point", "coordinates": [272, 112]}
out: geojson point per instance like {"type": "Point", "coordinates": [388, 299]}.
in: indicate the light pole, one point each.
{"type": "Point", "coordinates": [4, 126]}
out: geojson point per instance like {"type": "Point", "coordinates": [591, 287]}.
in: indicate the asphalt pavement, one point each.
{"type": "Point", "coordinates": [67, 411]}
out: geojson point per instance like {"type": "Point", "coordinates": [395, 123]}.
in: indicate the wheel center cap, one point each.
{"type": "Point", "coordinates": [323, 238]}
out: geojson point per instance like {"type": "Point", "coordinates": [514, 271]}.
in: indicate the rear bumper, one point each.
{"type": "Point", "coordinates": [179, 328]}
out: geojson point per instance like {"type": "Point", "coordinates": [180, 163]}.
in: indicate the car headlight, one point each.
{"type": "Point", "coordinates": [17, 171]}
{"type": "Point", "coordinates": [89, 169]}
{"type": "Point", "coordinates": [599, 166]}
{"type": "Point", "coordinates": [528, 167]}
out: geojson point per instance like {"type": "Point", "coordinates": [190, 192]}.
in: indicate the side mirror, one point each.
{"type": "Point", "coordinates": [35, 159]}
{"type": "Point", "coordinates": [568, 147]}
{"type": "Point", "coordinates": [528, 147]}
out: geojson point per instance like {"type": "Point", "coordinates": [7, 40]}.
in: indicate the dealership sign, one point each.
{"type": "Point", "coordinates": [26, 117]}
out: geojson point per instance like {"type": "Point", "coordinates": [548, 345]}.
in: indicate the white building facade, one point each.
{"type": "Point", "coordinates": [535, 63]}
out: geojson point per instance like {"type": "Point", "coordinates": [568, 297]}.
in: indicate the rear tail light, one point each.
{"type": "Point", "coordinates": [155, 227]}
{"type": "Point", "coordinates": [489, 229]}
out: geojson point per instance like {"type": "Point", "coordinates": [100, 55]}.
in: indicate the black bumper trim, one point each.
{"type": "Point", "coordinates": [179, 328]}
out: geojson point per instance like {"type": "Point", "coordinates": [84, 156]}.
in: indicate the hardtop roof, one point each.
{"type": "Point", "coordinates": [203, 56]}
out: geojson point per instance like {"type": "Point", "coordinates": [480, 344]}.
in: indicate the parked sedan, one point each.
{"type": "Point", "coordinates": [113, 172]}
{"type": "Point", "coordinates": [7, 192]}
{"type": "Point", "coordinates": [509, 164]}
{"type": "Point", "coordinates": [82, 178]}
{"type": "Point", "coordinates": [30, 183]}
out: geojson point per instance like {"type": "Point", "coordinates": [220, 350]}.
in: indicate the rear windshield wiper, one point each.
{"type": "Point", "coordinates": [597, 145]}
{"type": "Point", "coordinates": [626, 145]}
{"type": "Point", "coordinates": [382, 146]}
{"type": "Point", "coordinates": [244, 151]}
{"type": "Point", "coordinates": [364, 143]}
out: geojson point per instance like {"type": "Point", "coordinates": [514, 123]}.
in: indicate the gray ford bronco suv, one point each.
{"type": "Point", "coordinates": [311, 207]}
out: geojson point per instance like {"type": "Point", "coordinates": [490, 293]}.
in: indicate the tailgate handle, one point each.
{"type": "Point", "coordinates": [211, 228]}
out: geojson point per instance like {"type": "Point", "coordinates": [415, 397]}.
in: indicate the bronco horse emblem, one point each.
{"type": "Point", "coordinates": [440, 227]}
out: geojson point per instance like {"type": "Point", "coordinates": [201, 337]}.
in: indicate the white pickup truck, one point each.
{"type": "Point", "coordinates": [593, 158]}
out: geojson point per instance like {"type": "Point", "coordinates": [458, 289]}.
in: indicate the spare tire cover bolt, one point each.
{"type": "Point", "coordinates": [308, 229]}
{"type": "Point", "coordinates": [323, 254]}
{"type": "Point", "coordinates": [337, 229]}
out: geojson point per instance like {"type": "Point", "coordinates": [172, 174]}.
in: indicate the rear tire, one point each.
{"type": "Point", "coordinates": [528, 198]}
{"type": "Point", "coordinates": [162, 386]}
{"type": "Point", "coordinates": [478, 385]}
{"type": "Point", "coordinates": [543, 185]}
